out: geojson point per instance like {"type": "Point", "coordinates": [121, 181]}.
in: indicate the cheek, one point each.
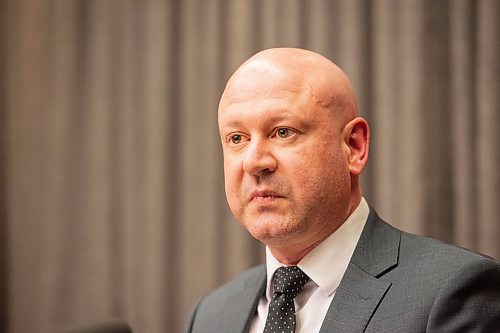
{"type": "Point", "coordinates": [321, 170]}
{"type": "Point", "coordinates": [232, 183]}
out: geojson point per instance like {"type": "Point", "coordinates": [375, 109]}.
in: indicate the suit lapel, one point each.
{"type": "Point", "coordinates": [240, 308]}
{"type": "Point", "coordinates": [360, 290]}
{"type": "Point", "coordinates": [354, 302]}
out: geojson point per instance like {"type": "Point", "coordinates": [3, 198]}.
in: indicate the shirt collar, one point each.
{"type": "Point", "coordinates": [327, 262]}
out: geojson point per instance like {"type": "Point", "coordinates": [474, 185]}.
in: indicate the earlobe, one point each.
{"type": "Point", "coordinates": [358, 140]}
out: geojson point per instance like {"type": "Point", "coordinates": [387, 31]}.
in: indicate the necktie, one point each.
{"type": "Point", "coordinates": [288, 281]}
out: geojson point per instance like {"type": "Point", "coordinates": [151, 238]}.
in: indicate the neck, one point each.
{"type": "Point", "coordinates": [291, 256]}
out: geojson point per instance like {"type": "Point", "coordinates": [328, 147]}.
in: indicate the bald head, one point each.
{"type": "Point", "coordinates": [282, 71]}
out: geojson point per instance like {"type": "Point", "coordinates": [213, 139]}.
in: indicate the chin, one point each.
{"type": "Point", "coordinates": [271, 230]}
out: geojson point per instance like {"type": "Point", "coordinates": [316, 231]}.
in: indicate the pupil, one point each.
{"type": "Point", "coordinates": [282, 132]}
{"type": "Point", "coordinates": [236, 138]}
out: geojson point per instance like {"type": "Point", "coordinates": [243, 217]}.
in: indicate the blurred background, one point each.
{"type": "Point", "coordinates": [111, 185]}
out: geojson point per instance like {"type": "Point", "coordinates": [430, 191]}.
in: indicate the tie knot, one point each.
{"type": "Point", "coordinates": [289, 280]}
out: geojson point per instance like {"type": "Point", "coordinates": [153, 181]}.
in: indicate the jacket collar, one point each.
{"type": "Point", "coordinates": [360, 290]}
{"type": "Point", "coordinates": [240, 308]}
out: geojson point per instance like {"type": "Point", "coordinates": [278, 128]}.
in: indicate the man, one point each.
{"type": "Point", "coordinates": [294, 148]}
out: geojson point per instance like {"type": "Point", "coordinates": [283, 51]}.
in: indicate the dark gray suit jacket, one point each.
{"type": "Point", "coordinates": [395, 282]}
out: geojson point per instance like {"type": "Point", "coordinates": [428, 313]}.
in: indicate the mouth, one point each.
{"type": "Point", "coordinates": [265, 196]}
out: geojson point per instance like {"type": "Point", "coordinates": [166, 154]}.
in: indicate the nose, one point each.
{"type": "Point", "coordinates": [258, 158]}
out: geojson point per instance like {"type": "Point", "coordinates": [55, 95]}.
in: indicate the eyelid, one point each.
{"type": "Point", "coordinates": [291, 130]}
{"type": "Point", "coordinates": [244, 138]}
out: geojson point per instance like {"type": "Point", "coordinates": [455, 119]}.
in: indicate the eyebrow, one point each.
{"type": "Point", "coordinates": [273, 119]}
{"type": "Point", "coordinates": [298, 122]}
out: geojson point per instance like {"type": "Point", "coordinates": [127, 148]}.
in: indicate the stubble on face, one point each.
{"type": "Point", "coordinates": [268, 201]}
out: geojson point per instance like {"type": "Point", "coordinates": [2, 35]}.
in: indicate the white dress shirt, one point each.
{"type": "Point", "coordinates": [325, 265]}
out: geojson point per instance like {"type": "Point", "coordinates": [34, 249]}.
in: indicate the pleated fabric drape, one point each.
{"type": "Point", "coordinates": [111, 188]}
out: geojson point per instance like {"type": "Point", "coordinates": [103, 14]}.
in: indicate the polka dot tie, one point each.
{"type": "Point", "coordinates": [288, 281]}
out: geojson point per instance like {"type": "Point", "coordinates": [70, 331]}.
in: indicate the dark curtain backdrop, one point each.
{"type": "Point", "coordinates": [111, 185]}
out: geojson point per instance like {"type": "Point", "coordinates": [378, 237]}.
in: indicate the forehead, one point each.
{"type": "Point", "coordinates": [261, 88]}
{"type": "Point", "coordinates": [262, 83]}
{"type": "Point", "coordinates": [256, 111]}
{"type": "Point", "coordinates": [264, 105]}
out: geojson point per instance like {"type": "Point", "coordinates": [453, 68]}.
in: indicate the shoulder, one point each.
{"type": "Point", "coordinates": [422, 253]}
{"type": "Point", "coordinates": [461, 286]}
{"type": "Point", "coordinates": [419, 264]}
{"type": "Point", "coordinates": [229, 303]}
{"type": "Point", "coordinates": [428, 254]}
{"type": "Point", "coordinates": [438, 285]}
{"type": "Point", "coordinates": [250, 278]}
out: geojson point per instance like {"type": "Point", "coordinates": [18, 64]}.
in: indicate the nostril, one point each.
{"type": "Point", "coordinates": [258, 160]}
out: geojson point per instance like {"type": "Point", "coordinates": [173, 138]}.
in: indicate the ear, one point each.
{"type": "Point", "coordinates": [357, 140]}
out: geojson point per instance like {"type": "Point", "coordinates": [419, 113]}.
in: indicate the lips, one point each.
{"type": "Point", "coordinates": [265, 195]}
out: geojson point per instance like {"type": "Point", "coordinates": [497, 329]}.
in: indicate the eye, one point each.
{"type": "Point", "coordinates": [235, 138]}
{"type": "Point", "coordinates": [283, 132]}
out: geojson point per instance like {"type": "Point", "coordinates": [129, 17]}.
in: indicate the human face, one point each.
{"type": "Point", "coordinates": [285, 163]}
